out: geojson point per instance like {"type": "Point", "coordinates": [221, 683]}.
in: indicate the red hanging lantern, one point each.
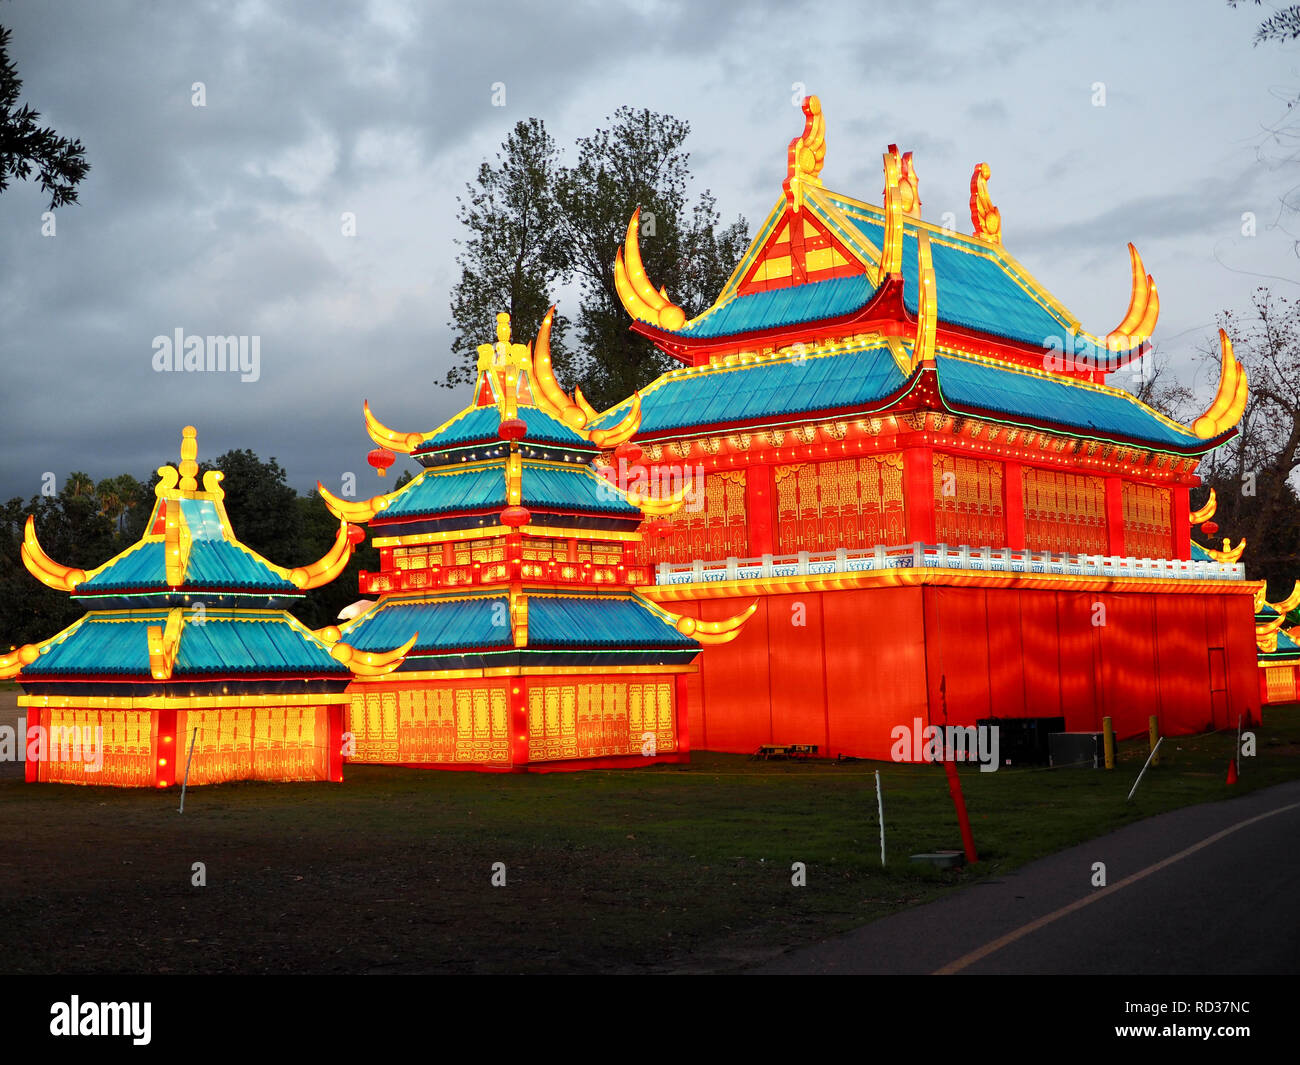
{"type": "Point", "coordinates": [381, 458]}
{"type": "Point", "coordinates": [356, 534]}
{"type": "Point", "coordinates": [1209, 528]}
{"type": "Point", "coordinates": [512, 429]}
{"type": "Point", "coordinates": [630, 453]}
{"type": "Point", "coordinates": [515, 516]}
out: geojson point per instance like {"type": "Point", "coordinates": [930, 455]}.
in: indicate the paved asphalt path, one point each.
{"type": "Point", "coordinates": [1231, 906]}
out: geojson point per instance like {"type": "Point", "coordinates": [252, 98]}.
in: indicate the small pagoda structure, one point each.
{"type": "Point", "coordinates": [912, 458]}
{"type": "Point", "coordinates": [509, 554]}
{"type": "Point", "coordinates": [186, 656]}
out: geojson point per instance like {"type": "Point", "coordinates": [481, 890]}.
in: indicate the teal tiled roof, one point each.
{"type": "Point", "coordinates": [115, 644]}
{"type": "Point", "coordinates": [476, 424]}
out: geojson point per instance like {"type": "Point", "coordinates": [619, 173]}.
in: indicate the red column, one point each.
{"type": "Point", "coordinates": [31, 768]}
{"type": "Point", "coordinates": [918, 493]}
{"type": "Point", "coordinates": [336, 718]}
{"type": "Point", "coordinates": [683, 724]}
{"type": "Point", "coordinates": [1013, 504]}
{"type": "Point", "coordinates": [165, 750]}
{"type": "Point", "coordinates": [1115, 516]}
{"type": "Point", "coordinates": [517, 692]}
{"type": "Point", "coordinates": [760, 504]}
{"type": "Point", "coordinates": [1179, 507]}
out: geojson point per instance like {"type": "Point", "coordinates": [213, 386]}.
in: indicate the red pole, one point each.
{"type": "Point", "coordinates": [954, 783]}
{"type": "Point", "coordinates": [963, 818]}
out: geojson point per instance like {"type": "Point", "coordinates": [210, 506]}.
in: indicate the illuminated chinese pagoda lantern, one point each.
{"type": "Point", "coordinates": [356, 534]}
{"type": "Point", "coordinates": [381, 458]}
{"type": "Point", "coordinates": [515, 516]}
{"type": "Point", "coordinates": [512, 429]}
{"type": "Point", "coordinates": [1209, 528]}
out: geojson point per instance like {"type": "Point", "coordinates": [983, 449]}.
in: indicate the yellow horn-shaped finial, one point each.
{"type": "Point", "coordinates": [1229, 401]}
{"type": "Point", "coordinates": [1206, 512]}
{"type": "Point", "coordinates": [404, 443]}
{"type": "Point", "coordinates": [1289, 603]}
{"type": "Point", "coordinates": [355, 512]}
{"type": "Point", "coordinates": [1261, 596]}
{"type": "Point", "coordinates": [544, 378]}
{"type": "Point", "coordinates": [329, 566]}
{"type": "Point", "coordinates": [638, 295]}
{"type": "Point", "coordinates": [44, 568]}
{"type": "Point", "coordinates": [372, 663]}
{"type": "Point", "coordinates": [623, 430]}
{"type": "Point", "coordinates": [1139, 321]}
{"type": "Point", "coordinates": [715, 632]}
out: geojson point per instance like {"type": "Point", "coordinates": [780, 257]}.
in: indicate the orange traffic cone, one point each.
{"type": "Point", "coordinates": [1232, 771]}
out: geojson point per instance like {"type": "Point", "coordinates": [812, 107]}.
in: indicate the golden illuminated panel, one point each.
{"type": "Point", "coordinates": [968, 502]}
{"type": "Point", "coordinates": [851, 503]}
{"type": "Point", "coordinates": [1065, 512]}
{"type": "Point", "coordinates": [254, 743]}
{"type": "Point", "coordinates": [1280, 682]}
{"type": "Point", "coordinates": [419, 726]}
{"type": "Point", "coordinates": [600, 720]}
{"type": "Point", "coordinates": [74, 740]}
{"type": "Point", "coordinates": [1148, 527]}
{"type": "Point", "coordinates": [718, 529]}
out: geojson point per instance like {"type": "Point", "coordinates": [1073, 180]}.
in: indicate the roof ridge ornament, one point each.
{"type": "Point", "coordinates": [1229, 401]}
{"type": "Point", "coordinates": [50, 573]}
{"type": "Point", "coordinates": [550, 392]}
{"type": "Point", "coordinates": [638, 295]}
{"type": "Point", "coordinates": [807, 154]}
{"type": "Point", "coordinates": [891, 252]}
{"type": "Point", "coordinates": [389, 438]}
{"type": "Point", "coordinates": [927, 303]}
{"type": "Point", "coordinates": [986, 218]}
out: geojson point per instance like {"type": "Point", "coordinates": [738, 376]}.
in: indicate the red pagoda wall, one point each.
{"type": "Point", "coordinates": [863, 661]}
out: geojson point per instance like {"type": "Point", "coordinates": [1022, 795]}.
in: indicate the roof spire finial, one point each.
{"type": "Point", "coordinates": [807, 153]}
{"type": "Point", "coordinates": [986, 218]}
{"type": "Point", "coordinates": [189, 468]}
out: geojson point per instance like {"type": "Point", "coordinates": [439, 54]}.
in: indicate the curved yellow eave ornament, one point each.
{"type": "Point", "coordinates": [544, 378]}
{"type": "Point", "coordinates": [372, 663]}
{"type": "Point", "coordinates": [355, 512]}
{"type": "Point", "coordinates": [404, 443]}
{"type": "Point", "coordinates": [329, 566]}
{"type": "Point", "coordinates": [637, 294]}
{"type": "Point", "coordinates": [12, 663]}
{"type": "Point", "coordinates": [1228, 555]}
{"type": "Point", "coordinates": [1289, 603]}
{"type": "Point", "coordinates": [42, 567]}
{"type": "Point", "coordinates": [1270, 627]}
{"type": "Point", "coordinates": [623, 430]}
{"type": "Point", "coordinates": [1206, 512]}
{"type": "Point", "coordinates": [711, 633]}
{"type": "Point", "coordinates": [1139, 321]}
{"type": "Point", "coordinates": [659, 508]}
{"type": "Point", "coordinates": [591, 412]}
{"type": "Point", "coordinates": [1230, 400]}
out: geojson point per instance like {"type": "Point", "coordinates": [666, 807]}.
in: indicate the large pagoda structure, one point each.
{"type": "Point", "coordinates": [186, 656]}
{"type": "Point", "coordinates": [509, 555]}
{"type": "Point", "coordinates": [913, 460]}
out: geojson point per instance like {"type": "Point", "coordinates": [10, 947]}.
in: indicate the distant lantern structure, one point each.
{"type": "Point", "coordinates": [508, 553]}
{"type": "Point", "coordinates": [909, 445]}
{"type": "Point", "coordinates": [186, 645]}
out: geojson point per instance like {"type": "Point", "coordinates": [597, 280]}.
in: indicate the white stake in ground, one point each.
{"type": "Point", "coordinates": [188, 758]}
{"type": "Point", "coordinates": [1144, 768]}
{"type": "Point", "coordinates": [880, 807]}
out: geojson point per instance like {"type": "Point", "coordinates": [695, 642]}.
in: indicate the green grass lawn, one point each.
{"type": "Point", "coordinates": [664, 868]}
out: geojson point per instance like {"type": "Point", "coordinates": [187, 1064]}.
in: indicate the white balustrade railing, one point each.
{"type": "Point", "coordinates": [941, 556]}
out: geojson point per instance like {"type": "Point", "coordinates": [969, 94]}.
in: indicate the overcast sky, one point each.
{"type": "Point", "coordinates": [225, 219]}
